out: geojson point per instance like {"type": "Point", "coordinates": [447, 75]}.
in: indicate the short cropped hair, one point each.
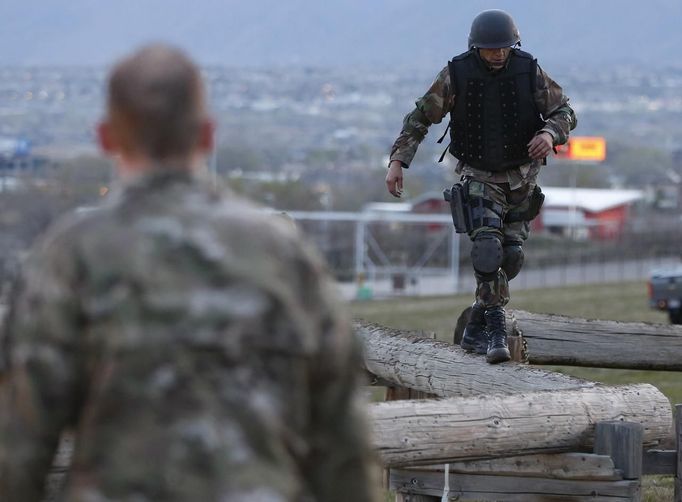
{"type": "Point", "coordinates": [156, 102]}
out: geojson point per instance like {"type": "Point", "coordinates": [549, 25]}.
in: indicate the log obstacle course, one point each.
{"type": "Point", "coordinates": [569, 341]}
{"type": "Point", "coordinates": [572, 341]}
{"type": "Point", "coordinates": [406, 359]}
{"type": "Point", "coordinates": [511, 432]}
{"type": "Point", "coordinates": [417, 432]}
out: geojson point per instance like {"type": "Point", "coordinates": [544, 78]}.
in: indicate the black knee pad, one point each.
{"type": "Point", "coordinates": [486, 254]}
{"type": "Point", "coordinates": [512, 259]}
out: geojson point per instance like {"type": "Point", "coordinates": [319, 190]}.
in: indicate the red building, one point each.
{"type": "Point", "coordinates": [592, 213]}
{"type": "Point", "coordinates": [587, 213]}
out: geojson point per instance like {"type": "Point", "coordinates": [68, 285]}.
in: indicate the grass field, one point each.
{"type": "Point", "coordinates": [617, 302]}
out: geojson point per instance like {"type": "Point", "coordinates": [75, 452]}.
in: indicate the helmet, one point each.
{"type": "Point", "coordinates": [493, 29]}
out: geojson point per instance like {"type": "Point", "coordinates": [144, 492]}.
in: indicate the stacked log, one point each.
{"type": "Point", "coordinates": [408, 359]}
{"type": "Point", "coordinates": [492, 410]}
{"type": "Point", "coordinates": [466, 428]}
{"type": "Point", "coordinates": [561, 340]}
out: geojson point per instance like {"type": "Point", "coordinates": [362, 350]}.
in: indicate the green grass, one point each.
{"type": "Point", "coordinates": [617, 302]}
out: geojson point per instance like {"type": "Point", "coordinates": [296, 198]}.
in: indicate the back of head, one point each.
{"type": "Point", "coordinates": [156, 103]}
{"type": "Point", "coordinates": [493, 29]}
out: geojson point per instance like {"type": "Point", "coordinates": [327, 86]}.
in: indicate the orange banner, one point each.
{"type": "Point", "coordinates": [590, 148]}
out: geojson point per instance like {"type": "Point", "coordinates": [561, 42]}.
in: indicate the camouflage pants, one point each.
{"type": "Point", "coordinates": [493, 292]}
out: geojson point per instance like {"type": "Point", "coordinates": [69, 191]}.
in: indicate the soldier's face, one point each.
{"type": "Point", "coordinates": [496, 58]}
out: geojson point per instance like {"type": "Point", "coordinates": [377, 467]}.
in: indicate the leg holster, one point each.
{"type": "Point", "coordinates": [469, 212]}
{"type": "Point", "coordinates": [535, 201]}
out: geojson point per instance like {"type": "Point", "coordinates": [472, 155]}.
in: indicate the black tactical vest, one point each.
{"type": "Point", "coordinates": [494, 116]}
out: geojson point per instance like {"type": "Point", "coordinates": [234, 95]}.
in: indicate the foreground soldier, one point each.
{"type": "Point", "coordinates": [192, 342]}
{"type": "Point", "coordinates": [506, 115]}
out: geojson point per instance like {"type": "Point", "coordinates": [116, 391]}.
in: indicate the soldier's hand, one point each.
{"type": "Point", "coordinates": [394, 178]}
{"type": "Point", "coordinates": [540, 146]}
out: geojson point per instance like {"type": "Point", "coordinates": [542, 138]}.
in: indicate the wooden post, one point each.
{"type": "Point", "coordinates": [678, 447]}
{"type": "Point", "coordinates": [622, 441]}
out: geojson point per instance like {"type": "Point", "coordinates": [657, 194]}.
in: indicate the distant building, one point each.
{"type": "Point", "coordinates": [16, 156]}
{"type": "Point", "coordinates": [584, 213]}
{"type": "Point", "coordinates": [592, 213]}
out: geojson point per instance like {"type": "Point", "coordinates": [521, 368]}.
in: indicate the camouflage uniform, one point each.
{"type": "Point", "coordinates": [509, 188]}
{"type": "Point", "coordinates": [195, 346]}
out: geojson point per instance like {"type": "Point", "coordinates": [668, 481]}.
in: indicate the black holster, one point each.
{"type": "Point", "coordinates": [537, 198]}
{"type": "Point", "coordinates": [469, 213]}
{"type": "Point", "coordinates": [459, 207]}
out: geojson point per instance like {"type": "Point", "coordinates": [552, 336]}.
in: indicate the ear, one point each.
{"type": "Point", "coordinates": [206, 136]}
{"type": "Point", "coordinates": [105, 138]}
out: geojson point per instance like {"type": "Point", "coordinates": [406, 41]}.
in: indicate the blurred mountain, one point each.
{"type": "Point", "coordinates": [388, 33]}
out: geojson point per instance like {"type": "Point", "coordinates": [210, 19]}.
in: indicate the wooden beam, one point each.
{"type": "Point", "coordinates": [445, 430]}
{"type": "Point", "coordinates": [659, 462]}
{"type": "Point", "coordinates": [572, 341]}
{"type": "Point", "coordinates": [408, 359]}
{"type": "Point", "coordinates": [512, 488]}
{"type": "Point", "coordinates": [584, 466]}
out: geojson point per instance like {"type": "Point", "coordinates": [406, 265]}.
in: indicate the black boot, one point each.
{"type": "Point", "coordinates": [497, 336]}
{"type": "Point", "coordinates": [475, 336]}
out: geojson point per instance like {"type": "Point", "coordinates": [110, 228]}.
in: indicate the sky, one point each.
{"type": "Point", "coordinates": [333, 32]}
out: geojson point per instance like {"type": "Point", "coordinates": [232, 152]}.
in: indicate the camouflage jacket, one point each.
{"type": "Point", "coordinates": [440, 99]}
{"type": "Point", "coordinates": [196, 347]}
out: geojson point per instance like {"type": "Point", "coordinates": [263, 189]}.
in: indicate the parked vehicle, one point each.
{"type": "Point", "coordinates": [665, 292]}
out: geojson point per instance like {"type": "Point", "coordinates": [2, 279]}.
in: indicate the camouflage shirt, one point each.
{"type": "Point", "coordinates": [196, 348]}
{"type": "Point", "coordinates": [440, 99]}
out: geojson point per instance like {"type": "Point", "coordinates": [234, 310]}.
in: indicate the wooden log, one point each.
{"type": "Point", "coordinates": [584, 466]}
{"type": "Point", "coordinates": [396, 392]}
{"type": "Point", "coordinates": [512, 488]}
{"type": "Point", "coordinates": [445, 430]}
{"type": "Point", "coordinates": [407, 359]}
{"type": "Point", "coordinates": [572, 341]}
{"type": "Point", "coordinates": [622, 441]}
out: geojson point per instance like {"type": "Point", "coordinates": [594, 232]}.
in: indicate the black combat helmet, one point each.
{"type": "Point", "coordinates": [493, 29]}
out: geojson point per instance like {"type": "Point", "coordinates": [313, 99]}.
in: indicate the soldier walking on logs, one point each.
{"type": "Point", "coordinates": [506, 116]}
{"type": "Point", "coordinates": [192, 341]}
